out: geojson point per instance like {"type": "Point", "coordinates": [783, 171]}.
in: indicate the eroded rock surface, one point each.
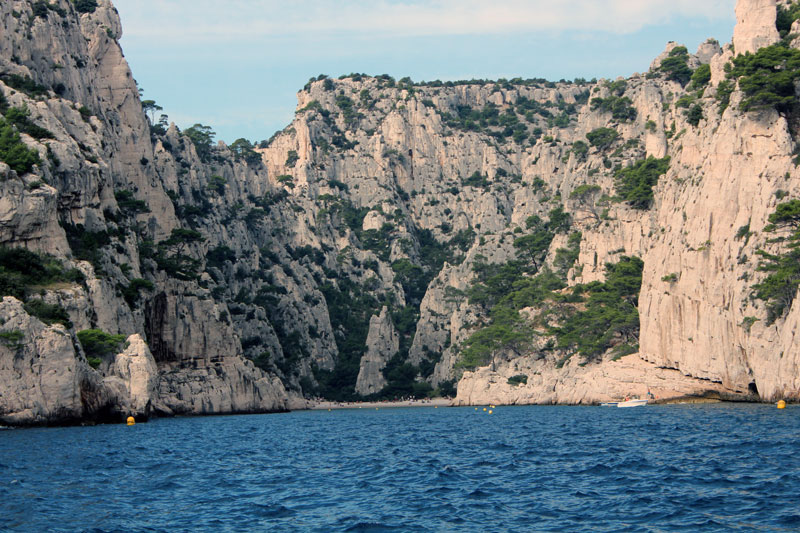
{"type": "Point", "coordinates": [245, 277]}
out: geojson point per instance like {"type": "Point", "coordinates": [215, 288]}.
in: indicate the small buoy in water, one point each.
{"type": "Point", "coordinates": [484, 409]}
{"type": "Point", "coordinates": [376, 408]}
{"type": "Point", "coordinates": [435, 406]}
{"type": "Point", "coordinates": [781, 404]}
{"type": "Point", "coordinates": [328, 410]}
{"type": "Point", "coordinates": [131, 421]}
{"type": "Point", "coordinates": [490, 411]}
{"type": "Point", "coordinates": [476, 408]}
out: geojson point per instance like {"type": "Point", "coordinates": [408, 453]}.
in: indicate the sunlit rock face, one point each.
{"type": "Point", "coordinates": [244, 277]}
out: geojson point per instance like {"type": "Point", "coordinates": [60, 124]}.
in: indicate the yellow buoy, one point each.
{"type": "Point", "coordinates": [476, 408]}
{"type": "Point", "coordinates": [131, 421]}
{"type": "Point", "coordinates": [490, 411]}
{"type": "Point", "coordinates": [484, 409]}
{"type": "Point", "coordinates": [376, 408]}
{"type": "Point", "coordinates": [781, 404]}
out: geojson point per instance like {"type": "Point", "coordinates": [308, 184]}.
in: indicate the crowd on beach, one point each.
{"type": "Point", "coordinates": [321, 403]}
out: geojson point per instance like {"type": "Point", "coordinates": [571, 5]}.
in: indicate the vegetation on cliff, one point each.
{"type": "Point", "coordinates": [13, 151]}
{"type": "Point", "coordinates": [768, 78]}
{"type": "Point", "coordinates": [587, 319]}
{"type": "Point", "coordinates": [778, 289]}
{"type": "Point", "coordinates": [635, 183]}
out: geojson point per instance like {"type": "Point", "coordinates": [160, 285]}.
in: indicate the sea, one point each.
{"type": "Point", "coordinates": [714, 467]}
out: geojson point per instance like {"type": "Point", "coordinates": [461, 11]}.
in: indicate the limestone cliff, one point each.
{"type": "Point", "coordinates": [95, 197]}
{"type": "Point", "coordinates": [340, 257]}
{"type": "Point", "coordinates": [382, 343]}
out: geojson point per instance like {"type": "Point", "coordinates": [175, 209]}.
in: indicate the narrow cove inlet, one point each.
{"type": "Point", "coordinates": [490, 301]}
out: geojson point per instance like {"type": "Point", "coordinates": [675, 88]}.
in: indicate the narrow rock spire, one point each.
{"type": "Point", "coordinates": [755, 25]}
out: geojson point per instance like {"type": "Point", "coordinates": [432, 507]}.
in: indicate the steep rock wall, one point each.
{"type": "Point", "coordinates": [384, 194]}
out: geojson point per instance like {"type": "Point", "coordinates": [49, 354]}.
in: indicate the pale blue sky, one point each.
{"type": "Point", "coordinates": [237, 65]}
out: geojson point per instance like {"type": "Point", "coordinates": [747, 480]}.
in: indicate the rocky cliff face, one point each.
{"type": "Point", "coordinates": [96, 153]}
{"type": "Point", "coordinates": [340, 258]}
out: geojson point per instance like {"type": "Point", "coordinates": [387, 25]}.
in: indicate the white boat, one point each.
{"type": "Point", "coordinates": [632, 403]}
{"type": "Point", "coordinates": [609, 404]}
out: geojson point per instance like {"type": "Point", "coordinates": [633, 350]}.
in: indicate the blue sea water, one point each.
{"type": "Point", "coordinates": [658, 468]}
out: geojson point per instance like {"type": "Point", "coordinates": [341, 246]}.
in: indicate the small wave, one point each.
{"type": "Point", "coordinates": [597, 469]}
{"type": "Point", "coordinates": [376, 527]}
{"type": "Point", "coordinates": [790, 520]}
{"type": "Point", "coordinates": [273, 511]}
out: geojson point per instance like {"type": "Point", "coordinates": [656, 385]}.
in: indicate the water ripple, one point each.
{"type": "Point", "coordinates": [660, 468]}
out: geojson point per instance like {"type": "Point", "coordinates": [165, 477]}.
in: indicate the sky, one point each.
{"type": "Point", "coordinates": [237, 65]}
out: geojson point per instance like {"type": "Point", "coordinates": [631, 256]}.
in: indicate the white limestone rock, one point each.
{"type": "Point", "coordinates": [383, 342]}
{"type": "Point", "coordinates": [42, 378]}
{"type": "Point", "coordinates": [137, 370]}
{"type": "Point", "coordinates": [755, 25]}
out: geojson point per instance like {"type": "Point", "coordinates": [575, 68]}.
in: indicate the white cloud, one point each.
{"type": "Point", "coordinates": [248, 20]}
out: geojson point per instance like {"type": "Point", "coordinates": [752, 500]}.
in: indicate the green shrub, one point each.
{"type": "Point", "coordinates": [701, 76]}
{"type": "Point", "coordinates": [508, 332]}
{"type": "Point", "coordinates": [602, 138]}
{"type": "Point", "coordinates": [216, 257]}
{"type": "Point", "coordinates": [86, 245]}
{"type": "Point", "coordinates": [685, 101]}
{"type": "Point", "coordinates": [131, 292]}
{"type": "Point", "coordinates": [292, 158]}
{"type": "Point", "coordinates": [448, 388]}
{"type": "Point", "coordinates": [610, 314]}
{"type": "Point", "coordinates": [48, 313]}
{"type": "Point", "coordinates": [748, 321]}
{"type": "Point", "coordinates": [217, 184]}
{"type": "Point", "coordinates": [580, 149]}
{"type": "Point", "coordinates": [98, 343]}
{"type": "Point", "coordinates": [723, 96]}
{"type": "Point", "coordinates": [170, 254]}
{"type": "Point", "coordinates": [768, 78]}
{"type": "Point", "coordinates": [22, 269]}
{"type": "Point", "coordinates": [635, 183]}
{"type": "Point", "coordinates": [503, 290]}
{"type": "Point", "coordinates": [39, 9]}
{"type": "Point", "coordinates": [695, 115]}
{"type": "Point", "coordinates": [243, 149]}
{"type": "Point", "coordinates": [85, 6]}
{"type": "Point", "coordinates": [128, 203]}
{"type": "Point", "coordinates": [518, 379]}
{"type": "Point", "coordinates": [744, 233]}
{"type": "Point", "coordinates": [787, 15]}
{"type": "Point", "coordinates": [24, 84]}
{"type": "Point", "coordinates": [476, 180]}
{"type": "Point", "coordinates": [565, 257]}
{"type": "Point", "coordinates": [14, 152]}
{"type": "Point", "coordinates": [676, 65]}
{"type": "Point", "coordinates": [12, 339]}
{"type": "Point", "coordinates": [20, 117]}
{"type": "Point", "coordinates": [779, 289]}
{"type": "Point", "coordinates": [620, 107]}
{"type": "Point", "coordinates": [201, 136]}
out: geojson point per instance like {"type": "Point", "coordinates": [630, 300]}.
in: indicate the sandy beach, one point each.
{"type": "Point", "coordinates": [436, 402]}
